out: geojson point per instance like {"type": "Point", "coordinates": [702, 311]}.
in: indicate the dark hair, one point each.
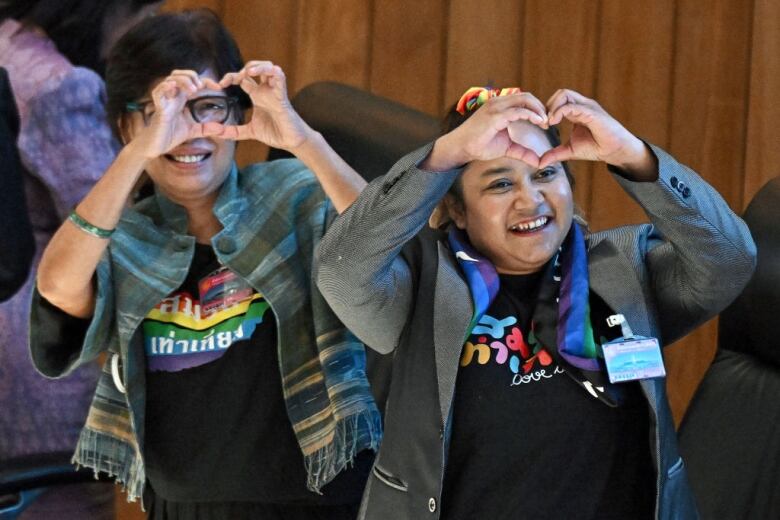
{"type": "Point", "coordinates": [194, 40]}
{"type": "Point", "coordinates": [454, 119]}
{"type": "Point", "coordinates": [75, 26]}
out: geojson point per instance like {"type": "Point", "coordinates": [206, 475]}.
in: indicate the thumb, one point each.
{"type": "Point", "coordinates": [560, 153]}
{"type": "Point", "coordinates": [212, 129]}
{"type": "Point", "coordinates": [521, 153]}
{"type": "Point", "coordinates": [232, 132]}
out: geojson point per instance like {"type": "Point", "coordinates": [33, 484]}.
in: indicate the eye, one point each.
{"type": "Point", "coordinates": [500, 185]}
{"type": "Point", "coordinates": [546, 174]}
{"type": "Point", "coordinates": [212, 106]}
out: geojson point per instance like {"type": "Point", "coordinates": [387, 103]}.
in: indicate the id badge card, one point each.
{"type": "Point", "coordinates": [632, 359]}
{"type": "Point", "coordinates": [222, 289]}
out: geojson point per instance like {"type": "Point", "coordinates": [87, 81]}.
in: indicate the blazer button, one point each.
{"type": "Point", "coordinates": [226, 245]}
{"type": "Point", "coordinates": [686, 192]}
{"type": "Point", "coordinates": [673, 180]}
{"type": "Point", "coordinates": [432, 505]}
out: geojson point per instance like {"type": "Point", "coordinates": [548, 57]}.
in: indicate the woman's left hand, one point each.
{"type": "Point", "coordinates": [274, 121]}
{"type": "Point", "coordinates": [596, 136]}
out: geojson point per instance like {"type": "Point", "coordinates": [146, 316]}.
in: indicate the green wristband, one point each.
{"type": "Point", "coordinates": [89, 228]}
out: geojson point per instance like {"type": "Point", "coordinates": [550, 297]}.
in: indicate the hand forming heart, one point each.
{"type": "Point", "coordinates": [273, 121]}
{"type": "Point", "coordinates": [595, 135]}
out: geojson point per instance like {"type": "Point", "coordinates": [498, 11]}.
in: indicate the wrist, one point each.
{"type": "Point", "coordinates": [638, 163]}
{"type": "Point", "coordinates": [310, 143]}
{"type": "Point", "coordinates": [444, 156]}
{"type": "Point", "coordinates": [135, 153]}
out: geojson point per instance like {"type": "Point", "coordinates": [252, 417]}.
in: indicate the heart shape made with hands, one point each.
{"type": "Point", "coordinates": [516, 131]}
{"type": "Point", "coordinates": [594, 135]}
{"type": "Point", "coordinates": [273, 121]}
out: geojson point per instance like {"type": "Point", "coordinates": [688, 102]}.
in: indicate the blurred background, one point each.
{"type": "Point", "coordinates": [697, 78]}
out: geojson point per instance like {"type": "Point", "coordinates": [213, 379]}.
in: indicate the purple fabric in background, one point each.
{"type": "Point", "coordinates": [65, 144]}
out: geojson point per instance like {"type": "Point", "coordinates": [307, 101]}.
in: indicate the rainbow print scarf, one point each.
{"type": "Point", "coordinates": [562, 311]}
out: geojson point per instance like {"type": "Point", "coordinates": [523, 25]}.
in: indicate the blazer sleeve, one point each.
{"type": "Point", "coordinates": [699, 255]}
{"type": "Point", "coordinates": [359, 269]}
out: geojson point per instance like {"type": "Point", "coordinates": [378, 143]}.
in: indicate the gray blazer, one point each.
{"type": "Point", "coordinates": [396, 284]}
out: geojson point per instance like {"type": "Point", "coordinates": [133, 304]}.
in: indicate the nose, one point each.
{"type": "Point", "coordinates": [528, 199]}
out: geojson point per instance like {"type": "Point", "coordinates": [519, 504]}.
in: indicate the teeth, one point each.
{"type": "Point", "coordinates": [188, 158]}
{"type": "Point", "coordinates": [529, 226]}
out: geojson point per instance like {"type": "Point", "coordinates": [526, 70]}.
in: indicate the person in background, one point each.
{"type": "Point", "coordinates": [54, 52]}
{"type": "Point", "coordinates": [231, 390]}
{"type": "Point", "coordinates": [506, 401]}
{"type": "Point", "coordinates": [17, 245]}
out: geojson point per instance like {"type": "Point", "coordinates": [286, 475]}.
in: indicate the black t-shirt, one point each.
{"type": "Point", "coordinates": [527, 441]}
{"type": "Point", "coordinates": [217, 428]}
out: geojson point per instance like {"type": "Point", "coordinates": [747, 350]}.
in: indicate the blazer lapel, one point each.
{"type": "Point", "coordinates": [452, 311]}
{"type": "Point", "coordinates": [623, 293]}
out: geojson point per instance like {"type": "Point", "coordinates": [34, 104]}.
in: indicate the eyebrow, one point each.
{"type": "Point", "coordinates": [498, 170]}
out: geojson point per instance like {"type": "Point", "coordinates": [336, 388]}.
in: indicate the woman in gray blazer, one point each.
{"type": "Point", "coordinates": [527, 373]}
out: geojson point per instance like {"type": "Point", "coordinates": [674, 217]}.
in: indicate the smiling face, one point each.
{"type": "Point", "coordinates": [193, 171]}
{"type": "Point", "coordinates": [515, 215]}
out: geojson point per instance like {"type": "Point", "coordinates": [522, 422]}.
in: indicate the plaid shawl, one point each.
{"type": "Point", "coordinates": [273, 216]}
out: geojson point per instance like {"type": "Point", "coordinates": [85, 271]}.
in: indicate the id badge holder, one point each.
{"type": "Point", "coordinates": [632, 358]}
{"type": "Point", "coordinates": [222, 289]}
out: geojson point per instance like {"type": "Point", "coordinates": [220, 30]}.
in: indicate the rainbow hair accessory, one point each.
{"type": "Point", "coordinates": [475, 97]}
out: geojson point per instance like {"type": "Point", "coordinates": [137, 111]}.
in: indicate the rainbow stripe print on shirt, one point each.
{"type": "Point", "coordinates": [178, 334]}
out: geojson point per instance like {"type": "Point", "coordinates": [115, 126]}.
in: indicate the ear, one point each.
{"type": "Point", "coordinates": [456, 210]}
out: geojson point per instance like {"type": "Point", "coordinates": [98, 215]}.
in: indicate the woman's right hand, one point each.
{"type": "Point", "coordinates": [486, 134]}
{"type": "Point", "coordinates": [169, 127]}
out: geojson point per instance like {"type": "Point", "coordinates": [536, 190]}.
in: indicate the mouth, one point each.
{"type": "Point", "coordinates": [531, 226]}
{"type": "Point", "coordinates": [189, 159]}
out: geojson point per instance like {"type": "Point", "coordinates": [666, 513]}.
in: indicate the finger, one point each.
{"type": "Point", "coordinates": [567, 96]}
{"type": "Point", "coordinates": [560, 153]}
{"type": "Point", "coordinates": [165, 89]}
{"type": "Point", "coordinates": [254, 67]}
{"type": "Point", "coordinates": [534, 104]}
{"type": "Point", "coordinates": [525, 100]}
{"type": "Point", "coordinates": [249, 81]}
{"type": "Point", "coordinates": [263, 70]}
{"type": "Point", "coordinates": [233, 132]}
{"type": "Point", "coordinates": [575, 113]}
{"type": "Point", "coordinates": [521, 153]}
{"type": "Point", "coordinates": [212, 129]}
{"type": "Point", "coordinates": [278, 81]}
{"type": "Point", "coordinates": [211, 84]}
{"type": "Point", "coordinates": [187, 72]}
{"type": "Point", "coordinates": [231, 78]}
{"type": "Point", "coordinates": [196, 131]}
{"type": "Point", "coordinates": [523, 114]}
{"type": "Point", "coordinates": [193, 76]}
{"type": "Point", "coordinates": [186, 83]}
{"type": "Point", "coordinates": [514, 114]}
{"type": "Point", "coordinates": [248, 84]}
